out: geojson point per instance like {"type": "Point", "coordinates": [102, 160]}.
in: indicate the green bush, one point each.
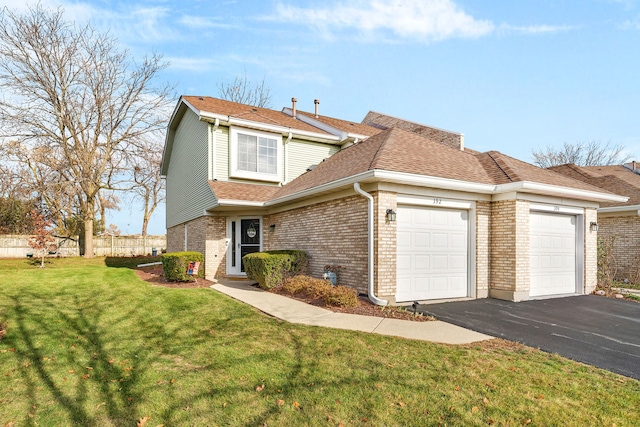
{"type": "Point", "coordinates": [175, 265]}
{"type": "Point", "coordinates": [272, 268]}
{"type": "Point", "coordinates": [341, 296]}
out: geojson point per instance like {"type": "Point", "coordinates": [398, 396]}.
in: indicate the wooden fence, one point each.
{"type": "Point", "coordinates": [17, 246]}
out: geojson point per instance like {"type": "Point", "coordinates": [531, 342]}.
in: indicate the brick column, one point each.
{"type": "Point", "coordinates": [510, 247]}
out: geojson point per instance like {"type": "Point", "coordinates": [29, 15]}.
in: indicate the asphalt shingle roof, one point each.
{"type": "Point", "coordinates": [398, 150]}
{"type": "Point", "coordinates": [247, 112]}
{"type": "Point", "coordinates": [615, 179]}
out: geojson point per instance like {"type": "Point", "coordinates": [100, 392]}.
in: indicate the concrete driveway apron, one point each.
{"type": "Point", "coordinates": [598, 331]}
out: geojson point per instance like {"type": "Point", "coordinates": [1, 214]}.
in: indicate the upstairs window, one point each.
{"type": "Point", "coordinates": [255, 155]}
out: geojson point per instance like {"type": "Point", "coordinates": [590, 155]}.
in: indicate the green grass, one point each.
{"type": "Point", "coordinates": [89, 344]}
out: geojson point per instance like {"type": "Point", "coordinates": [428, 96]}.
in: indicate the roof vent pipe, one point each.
{"type": "Point", "coordinates": [633, 164]}
{"type": "Point", "coordinates": [293, 108]}
{"type": "Point", "coordinates": [317, 102]}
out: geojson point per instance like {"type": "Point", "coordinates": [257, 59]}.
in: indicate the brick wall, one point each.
{"type": "Point", "coordinates": [483, 245]}
{"type": "Point", "coordinates": [206, 235]}
{"type": "Point", "coordinates": [175, 238]}
{"type": "Point", "coordinates": [590, 251]}
{"type": "Point", "coordinates": [333, 232]}
{"type": "Point", "coordinates": [626, 249]}
{"type": "Point", "coordinates": [384, 245]}
{"type": "Point", "coordinates": [509, 269]}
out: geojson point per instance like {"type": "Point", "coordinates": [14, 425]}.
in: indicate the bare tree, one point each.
{"type": "Point", "coordinates": [149, 186]}
{"type": "Point", "coordinates": [592, 153]}
{"type": "Point", "coordinates": [242, 91]}
{"type": "Point", "coordinates": [73, 94]}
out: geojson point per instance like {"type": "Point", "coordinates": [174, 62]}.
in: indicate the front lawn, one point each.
{"type": "Point", "coordinates": [87, 343]}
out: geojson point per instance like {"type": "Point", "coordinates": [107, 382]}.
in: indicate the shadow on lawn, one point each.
{"type": "Point", "coordinates": [99, 364]}
{"type": "Point", "coordinates": [85, 363]}
{"type": "Point", "coordinates": [79, 365]}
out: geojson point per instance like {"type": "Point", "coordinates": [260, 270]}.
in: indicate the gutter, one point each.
{"type": "Point", "coordinates": [613, 209]}
{"type": "Point", "coordinates": [535, 187]}
{"type": "Point", "coordinates": [372, 297]}
{"type": "Point", "coordinates": [283, 130]}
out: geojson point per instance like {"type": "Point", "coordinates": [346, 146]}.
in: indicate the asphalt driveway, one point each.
{"type": "Point", "coordinates": [599, 331]}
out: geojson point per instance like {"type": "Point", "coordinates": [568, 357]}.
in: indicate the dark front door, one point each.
{"type": "Point", "coordinates": [248, 239]}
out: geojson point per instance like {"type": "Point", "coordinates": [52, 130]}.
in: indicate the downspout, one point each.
{"type": "Point", "coordinates": [214, 151]}
{"type": "Point", "coordinates": [372, 297]}
{"type": "Point", "coordinates": [286, 157]}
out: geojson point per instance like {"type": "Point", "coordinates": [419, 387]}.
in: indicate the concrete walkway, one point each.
{"type": "Point", "coordinates": [295, 311]}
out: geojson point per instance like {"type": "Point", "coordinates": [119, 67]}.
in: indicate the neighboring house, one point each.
{"type": "Point", "coordinates": [620, 220]}
{"type": "Point", "coordinates": [406, 211]}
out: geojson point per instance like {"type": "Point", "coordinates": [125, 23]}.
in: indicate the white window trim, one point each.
{"type": "Point", "coordinates": [233, 158]}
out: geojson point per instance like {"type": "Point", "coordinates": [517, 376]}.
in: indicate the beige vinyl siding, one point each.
{"type": "Point", "coordinates": [303, 154]}
{"type": "Point", "coordinates": [221, 154]}
{"type": "Point", "coordinates": [188, 191]}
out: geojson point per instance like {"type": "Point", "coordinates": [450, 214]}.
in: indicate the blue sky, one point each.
{"type": "Point", "coordinates": [510, 76]}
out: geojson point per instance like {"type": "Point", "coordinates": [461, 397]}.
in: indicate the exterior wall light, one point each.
{"type": "Point", "coordinates": [391, 215]}
{"type": "Point", "coordinates": [594, 226]}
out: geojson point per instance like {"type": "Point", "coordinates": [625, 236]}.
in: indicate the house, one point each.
{"type": "Point", "coordinates": [618, 220]}
{"type": "Point", "coordinates": [405, 209]}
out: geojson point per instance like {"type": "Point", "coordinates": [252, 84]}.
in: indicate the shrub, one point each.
{"type": "Point", "coordinates": [294, 285]}
{"type": "Point", "coordinates": [318, 288]}
{"type": "Point", "coordinates": [337, 296]}
{"type": "Point", "coordinates": [341, 296]}
{"type": "Point", "coordinates": [175, 265]}
{"type": "Point", "coordinates": [272, 268]}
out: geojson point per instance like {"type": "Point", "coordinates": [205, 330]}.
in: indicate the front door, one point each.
{"type": "Point", "coordinates": [245, 235]}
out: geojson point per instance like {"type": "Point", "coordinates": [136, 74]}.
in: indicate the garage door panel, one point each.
{"type": "Point", "coordinates": [440, 240]}
{"type": "Point", "coordinates": [403, 262]}
{"type": "Point", "coordinates": [436, 242]}
{"type": "Point", "coordinates": [422, 262]}
{"type": "Point", "coordinates": [458, 241]}
{"type": "Point", "coordinates": [458, 263]}
{"type": "Point", "coordinates": [440, 218]}
{"type": "Point", "coordinates": [552, 254]}
{"type": "Point", "coordinates": [459, 283]}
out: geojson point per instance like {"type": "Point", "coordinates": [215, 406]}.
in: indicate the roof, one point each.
{"type": "Point", "coordinates": [344, 125]}
{"type": "Point", "coordinates": [408, 148]}
{"type": "Point", "coordinates": [403, 151]}
{"type": "Point", "coordinates": [617, 179]}
{"type": "Point", "coordinates": [397, 150]}
{"type": "Point", "coordinates": [385, 121]}
{"type": "Point", "coordinates": [248, 112]}
{"type": "Point", "coordinates": [225, 190]}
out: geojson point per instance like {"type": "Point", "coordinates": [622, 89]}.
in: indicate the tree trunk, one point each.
{"type": "Point", "coordinates": [145, 224]}
{"type": "Point", "coordinates": [88, 238]}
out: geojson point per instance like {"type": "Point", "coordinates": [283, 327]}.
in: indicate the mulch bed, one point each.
{"type": "Point", "coordinates": [155, 276]}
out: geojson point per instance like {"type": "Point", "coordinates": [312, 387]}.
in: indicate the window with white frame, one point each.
{"type": "Point", "coordinates": [255, 155]}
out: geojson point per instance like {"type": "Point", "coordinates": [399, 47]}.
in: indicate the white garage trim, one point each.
{"type": "Point", "coordinates": [415, 257]}
{"type": "Point", "coordinates": [434, 201]}
{"type": "Point", "coordinates": [556, 251]}
{"type": "Point", "coordinates": [556, 209]}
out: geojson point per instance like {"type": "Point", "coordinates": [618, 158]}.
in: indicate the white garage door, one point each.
{"type": "Point", "coordinates": [553, 254]}
{"type": "Point", "coordinates": [432, 253]}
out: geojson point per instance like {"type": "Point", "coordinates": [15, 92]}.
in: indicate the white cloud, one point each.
{"type": "Point", "coordinates": [421, 20]}
{"type": "Point", "coordinates": [199, 22]}
{"type": "Point", "coordinates": [538, 29]}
